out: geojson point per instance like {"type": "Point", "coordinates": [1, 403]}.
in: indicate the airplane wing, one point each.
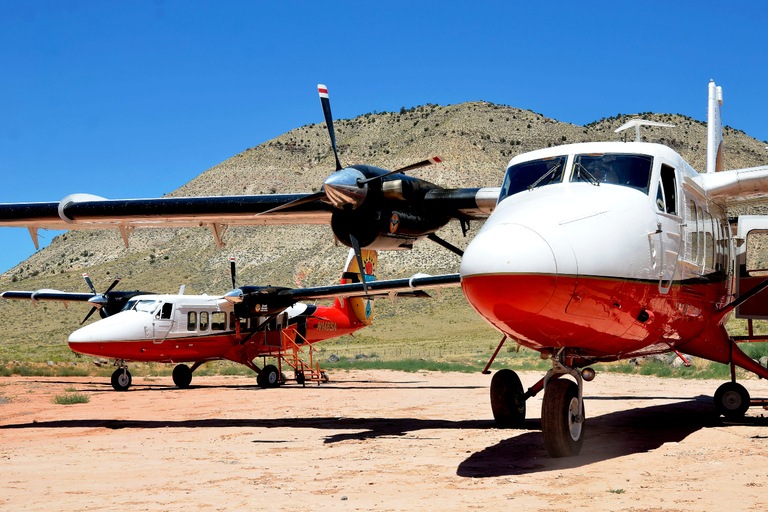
{"type": "Point", "coordinates": [739, 186]}
{"type": "Point", "coordinates": [50, 295]}
{"type": "Point", "coordinates": [383, 288]}
{"type": "Point", "coordinates": [85, 211]}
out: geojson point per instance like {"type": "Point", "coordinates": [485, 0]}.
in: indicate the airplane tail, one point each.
{"type": "Point", "coordinates": [359, 308]}
{"type": "Point", "coordinates": [714, 129]}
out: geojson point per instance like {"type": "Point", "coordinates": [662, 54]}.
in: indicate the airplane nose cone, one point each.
{"type": "Point", "coordinates": [509, 272]}
{"type": "Point", "coordinates": [342, 189]}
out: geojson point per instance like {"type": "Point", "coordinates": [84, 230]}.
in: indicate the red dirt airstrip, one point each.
{"type": "Point", "coordinates": [371, 440]}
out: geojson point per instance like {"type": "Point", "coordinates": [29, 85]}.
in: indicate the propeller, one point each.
{"type": "Point", "coordinates": [98, 300]}
{"type": "Point", "coordinates": [346, 186]}
{"type": "Point", "coordinates": [232, 270]}
{"type": "Point", "coordinates": [326, 102]}
{"type": "Point", "coordinates": [359, 258]}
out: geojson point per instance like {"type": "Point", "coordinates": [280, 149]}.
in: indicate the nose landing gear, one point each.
{"type": "Point", "coordinates": [562, 410]}
{"type": "Point", "coordinates": [121, 378]}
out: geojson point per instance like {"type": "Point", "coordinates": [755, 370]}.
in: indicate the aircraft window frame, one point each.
{"type": "Point", "coordinates": [668, 183]}
{"type": "Point", "coordinates": [709, 253]}
{"type": "Point", "coordinates": [221, 323]}
{"type": "Point", "coordinates": [533, 174]}
{"type": "Point", "coordinates": [623, 175]}
{"type": "Point", "coordinates": [166, 311]}
{"type": "Point", "coordinates": [700, 233]}
{"type": "Point", "coordinates": [205, 321]}
{"type": "Point", "coordinates": [192, 320]}
{"type": "Point", "coordinates": [693, 232]}
{"type": "Point", "coordinates": [146, 306]}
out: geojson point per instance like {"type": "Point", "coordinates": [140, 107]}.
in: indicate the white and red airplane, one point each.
{"type": "Point", "coordinates": [247, 323]}
{"type": "Point", "coordinates": [592, 252]}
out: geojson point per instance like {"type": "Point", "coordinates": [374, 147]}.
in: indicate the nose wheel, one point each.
{"type": "Point", "coordinates": [562, 418]}
{"type": "Point", "coordinates": [121, 378]}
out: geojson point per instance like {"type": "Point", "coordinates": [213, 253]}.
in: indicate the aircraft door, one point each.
{"type": "Point", "coordinates": [162, 323]}
{"type": "Point", "coordinates": [751, 265]}
{"type": "Point", "coordinates": [667, 241]}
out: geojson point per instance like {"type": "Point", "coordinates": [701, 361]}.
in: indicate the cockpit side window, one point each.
{"type": "Point", "coordinates": [203, 320]}
{"type": "Point", "coordinates": [632, 171]}
{"type": "Point", "coordinates": [669, 183]}
{"type": "Point", "coordinates": [533, 174]}
{"type": "Point", "coordinates": [165, 312]}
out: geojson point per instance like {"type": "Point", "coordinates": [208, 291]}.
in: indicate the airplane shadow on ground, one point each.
{"type": "Point", "coordinates": [342, 385]}
{"type": "Point", "coordinates": [608, 436]}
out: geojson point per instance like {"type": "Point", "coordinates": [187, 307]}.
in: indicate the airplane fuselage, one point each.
{"type": "Point", "coordinates": [626, 259]}
{"type": "Point", "coordinates": [177, 328]}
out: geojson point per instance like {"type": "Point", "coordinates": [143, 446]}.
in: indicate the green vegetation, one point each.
{"type": "Point", "coordinates": [71, 398]}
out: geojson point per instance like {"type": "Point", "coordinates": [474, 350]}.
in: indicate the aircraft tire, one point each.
{"type": "Point", "coordinates": [270, 377]}
{"type": "Point", "coordinates": [732, 400]}
{"type": "Point", "coordinates": [182, 376]}
{"type": "Point", "coordinates": [563, 435]}
{"type": "Point", "coordinates": [507, 401]}
{"type": "Point", "coordinates": [300, 379]}
{"type": "Point", "coordinates": [121, 379]}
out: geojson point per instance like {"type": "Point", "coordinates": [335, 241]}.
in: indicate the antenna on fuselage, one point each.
{"type": "Point", "coordinates": [637, 123]}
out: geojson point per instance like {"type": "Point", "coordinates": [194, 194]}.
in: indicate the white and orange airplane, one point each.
{"type": "Point", "coordinates": [592, 252]}
{"type": "Point", "coordinates": [245, 324]}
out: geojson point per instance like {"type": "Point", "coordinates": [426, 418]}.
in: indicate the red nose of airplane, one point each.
{"type": "Point", "coordinates": [509, 273]}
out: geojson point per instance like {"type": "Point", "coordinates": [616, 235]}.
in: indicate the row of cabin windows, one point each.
{"type": "Point", "coordinates": [217, 321]}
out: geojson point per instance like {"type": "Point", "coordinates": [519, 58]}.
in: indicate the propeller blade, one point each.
{"type": "Point", "coordinates": [359, 257]}
{"type": "Point", "coordinates": [323, 91]}
{"type": "Point", "coordinates": [114, 283]}
{"type": "Point", "coordinates": [89, 283]}
{"type": "Point", "coordinates": [93, 309]}
{"type": "Point", "coordinates": [307, 199]}
{"type": "Point", "coordinates": [232, 269]}
{"type": "Point", "coordinates": [423, 163]}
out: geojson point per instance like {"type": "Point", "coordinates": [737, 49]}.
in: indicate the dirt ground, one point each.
{"type": "Point", "coordinates": [371, 440]}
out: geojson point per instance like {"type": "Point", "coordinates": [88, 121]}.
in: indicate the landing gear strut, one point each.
{"type": "Point", "coordinates": [121, 378]}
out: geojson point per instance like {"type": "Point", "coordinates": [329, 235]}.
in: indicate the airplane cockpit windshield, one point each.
{"type": "Point", "coordinates": [529, 175]}
{"type": "Point", "coordinates": [632, 171]}
{"type": "Point", "coordinates": [147, 306]}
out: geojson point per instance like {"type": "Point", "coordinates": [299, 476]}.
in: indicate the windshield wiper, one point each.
{"type": "Point", "coordinates": [536, 183]}
{"type": "Point", "coordinates": [589, 176]}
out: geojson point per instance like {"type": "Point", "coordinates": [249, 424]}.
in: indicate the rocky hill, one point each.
{"type": "Point", "coordinates": [475, 140]}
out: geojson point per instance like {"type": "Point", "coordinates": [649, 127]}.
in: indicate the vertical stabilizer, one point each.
{"type": "Point", "coordinates": [359, 307]}
{"type": "Point", "coordinates": [714, 129]}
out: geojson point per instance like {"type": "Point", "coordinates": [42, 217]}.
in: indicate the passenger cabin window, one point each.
{"type": "Point", "coordinates": [700, 231]}
{"type": "Point", "coordinates": [693, 233]}
{"type": "Point", "coordinates": [710, 257]}
{"type": "Point", "coordinates": [192, 321]}
{"type": "Point", "coordinates": [633, 171]}
{"type": "Point", "coordinates": [533, 174]}
{"type": "Point", "coordinates": [203, 320]}
{"type": "Point", "coordinates": [218, 321]}
{"type": "Point", "coordinates": [165, 312]}
{"type": "Point", "coordinates": [668, 185]}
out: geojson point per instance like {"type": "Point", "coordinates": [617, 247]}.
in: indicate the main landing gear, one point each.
{"type": "Point", "coordinates": [562, 410]}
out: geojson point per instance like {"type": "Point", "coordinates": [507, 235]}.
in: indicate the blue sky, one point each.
{"type": "Point", "coordinates": [134, 99]}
